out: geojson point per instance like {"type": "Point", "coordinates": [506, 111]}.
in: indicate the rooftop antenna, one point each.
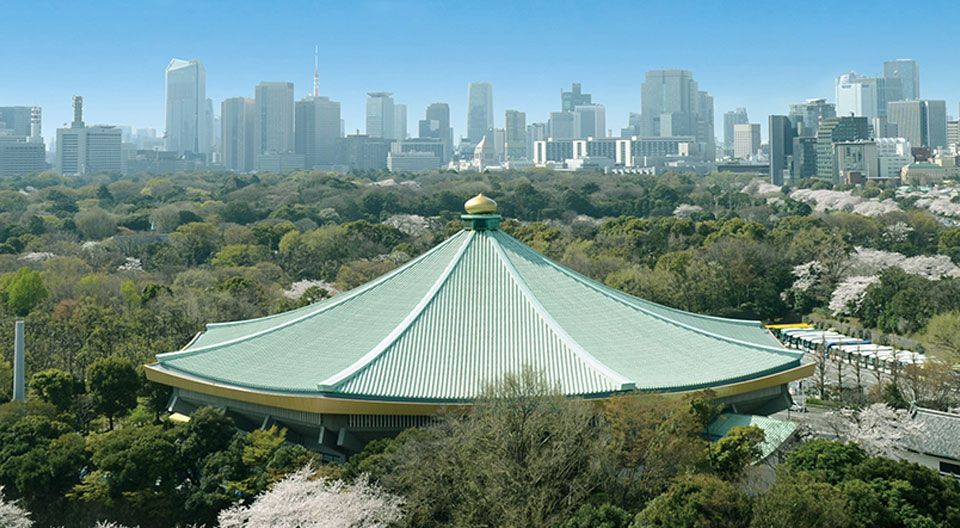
{"type": "Point", "coordinates": [316, 71]}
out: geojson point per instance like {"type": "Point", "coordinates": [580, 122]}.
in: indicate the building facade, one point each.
{"type": "Point", "coordinates": [907, 71]}
{"type": "Point", "coordinates": [574, 98]}
{"type": "Point", "coordinates": [808, 115]}
{"type": "Point", "coordinates": [189, 123]}
{"type": "Point", "coordinates": [381, 115]}
{"type": "Point", "coordinates": [832, 131]}
{"type": "Point", "coordinates": [672, 105]}
{"type": "Point", "coordinates": [515, 133]}
{"type": "Point", "coordinates": [479, 111]}
{"type": "Point", "coordinates": [731, 118]}
{"type": "Point", "coordinates": [746, 140]}
{"type": "Point", "coordinates": [274, 123]}
{"type": "Point", "coordinates": [589, 121]}
{"type": "Point", "coordinates": [781, 133]}
{"type": "Point", "coordinates": [237, 136]}
{"type": "Point", "coordinates": [437, 126]}
{"type": "Point", "coordinates": [923, 123]}
{"type": "Point", "coordinates": [317, 131]}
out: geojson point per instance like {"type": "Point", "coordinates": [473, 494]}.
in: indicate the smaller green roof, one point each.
{"type": "Point", "coordinates": [776, 432]}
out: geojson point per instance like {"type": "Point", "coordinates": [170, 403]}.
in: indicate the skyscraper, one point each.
{"type": "Point", "coordinates": [731, 118]}
{"type": "Point", "coordinates": [274, 118]}
{"type": "Point", "coordinates": [15, 118]}
{"type": "Point", "coordinates": [82, 149]}
{"type": "Point", "coordinates": [807, 116]}
{"type": "Point", "coordinates": [672, 105]}
{"type": "Point", "coordinates": [589, 121]}
{"type": "Point", "coordinates": [574, 98]}
{"type": "Point", "coordinates": [857, 95]}
{"type": "Point", "coordinates": [515, 135]}
{"type": "Point", "coordinates": [923, 123]}
{"type": "Point", "coordinates": [781, 132]}
{"type": "Point", "coordinates": [399, 121]}
{"type": "Point", "coordinates": [188, 122]}
{"type": "Point", "coordinates": [535, 132]}
{"type": "Point", "coordinates": [437, 126]}
{"type": "Point", "coordinates": [561, 125]}
{"type": "Point", "coordinates": [317, 130]}
{"type": "Point", "coordinates": [746, 140]}
{"type": "Point", "coordinates": [834, 130]}
{"type": "Point", "coordinates": [380, 115]}
{"type": "Point", "coordinates": [237, 136]}
{"type": "Point", "coordinates": [908, 72]}
{"type": "Point", "coordinates": [479, 111]}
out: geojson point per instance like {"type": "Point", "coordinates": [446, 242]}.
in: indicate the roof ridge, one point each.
{"type": "Point", "coordinates": [336, 301]}
{"type": "Point", "coordinates": [359, 365]}
{"type": "Point", "coordinates": [616, 295]}
{"type": "Point", "coordinates": [624, 382]}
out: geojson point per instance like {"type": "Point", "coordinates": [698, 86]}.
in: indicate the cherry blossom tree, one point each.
{"type": "Point", "coordinates": [849, 293]}
{"type": "Point", "coordinates": [13, 516]}
{"type": "Point", "coordinates": [879, 429]}
{"type": "Point", "coordinates": [299, 502]}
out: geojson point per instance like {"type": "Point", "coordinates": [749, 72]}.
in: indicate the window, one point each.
{"type": "Point", "coordinates": [948, 467]}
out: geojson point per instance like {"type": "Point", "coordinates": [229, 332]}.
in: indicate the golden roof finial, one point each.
{"type": "Point", "coordinates": [480, 204]}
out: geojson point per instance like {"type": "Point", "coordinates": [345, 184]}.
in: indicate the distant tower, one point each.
{"type": "Point", "coordinates": [35, 134]}
{"type": "Point", "coordinates": [77, 112]}
{"type": "Point", "coordinates": [316, 71]}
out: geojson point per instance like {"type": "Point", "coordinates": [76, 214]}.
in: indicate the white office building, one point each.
{"type": "Point", "coordinates": [189, 121]}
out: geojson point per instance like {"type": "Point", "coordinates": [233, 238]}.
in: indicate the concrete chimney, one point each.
{"type": "Point", "coordinates": [19, 376]}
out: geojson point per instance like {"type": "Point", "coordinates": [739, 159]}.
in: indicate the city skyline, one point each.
{"type": "Point", "coordinates": [131, 90]}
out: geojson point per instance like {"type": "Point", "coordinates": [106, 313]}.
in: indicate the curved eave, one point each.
{"type": "Point", "coordinates": [322, 404]}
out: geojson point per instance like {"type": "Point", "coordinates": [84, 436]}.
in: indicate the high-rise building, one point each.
{"type": "Point", "coordinates": [16, 119]}
{"type": "Point", "coordinates": [274, 123]}
{"type": "Point", "coordinates": [535, 132]}
{"type": "Point", "coordinates": [804, 158]}
{"type": "Point", "coordinates": [515, 132]}
{"type": "Point", "coordinates": [908, 72]}
{"type": "Point", "coordinates": [380, 115]}
{"type": "Point", "coordinates": [746, 140]}
{"type": "Point", "coordinates": [317, 130]}
{"type": "Point", "coordinates": [672, 105]}
{"type": "Point", "coordinates": [857, 95]}
{"type": "Point", "coordinates": [82, 149]}
{"type": "Point", "coordinates": [781, 133]}
{"type": "Point", "coordinates": [953, 135]}
{"type": "Point", "coordinates": [237, 136]}
{"type": "Point", "coordinates": [561, 125]}
{"type": "Point", "coordinates": [574, 98]}
{"type": "Point", "coordinates": [437, 126]}
{"type": "Point", "coordinates": [20, 155]}
{"type": "Point", "coordinates": [923, 122]}
{"type": "Point", "coordinates": [836, 130]}
{"type": "Point", "coordinates": [399, 121]}
{"type": "Point", "coordinates": [808, 115]}
{"type": "Point", "coordinates": [189, 122]}
{"type": "Point", "coordinates": [479, 111]}
{"type": "Point", "coordinates": [589, 121]}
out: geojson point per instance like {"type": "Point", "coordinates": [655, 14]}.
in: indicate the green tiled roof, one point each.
{"type": "Point", "coordinates": [472, 309]}
{"type": "Point", "coordinates": [776, 432]}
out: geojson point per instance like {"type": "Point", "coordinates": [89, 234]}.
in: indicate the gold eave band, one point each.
{"type": "Point", "coordinates": [322, 405]}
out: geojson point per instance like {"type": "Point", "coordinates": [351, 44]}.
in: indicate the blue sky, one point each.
{"type": "Point", "coordinates": [761, 55]}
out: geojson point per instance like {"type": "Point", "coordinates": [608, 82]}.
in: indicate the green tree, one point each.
{"type": "Point", "coordinates": [95, 223]}
{"type": "Point", "coordinates": [135, 474]}
{"type": "Point", "coordinates": [526, 457]}
{"type": "Point", "coordinates": [943, 331]}
{"type": "Point", "coordinates": [54, 386]}
{"type": "Point", "coordinates": [196, 241]}
{"type": "Point", "coordinates": [22, 290]}
{"type": "Point", "coordinates": [113, 382]}
{"type": "Point", "coordinates": [739, 448]}
{"type": "Point", "coordinates": [6, 381]}
{"type": "Point", "coordinates": [603, 516]}
{"type": "Point", "coordinates": [825, 460]}
{"type": "Point", "coordinates": [798, 500]}
{"type": "Point", "coordinates": [696, 501]}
